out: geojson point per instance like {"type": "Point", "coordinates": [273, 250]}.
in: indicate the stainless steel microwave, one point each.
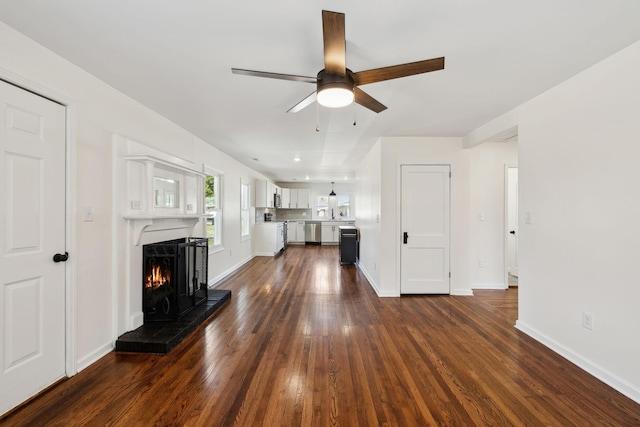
{"type": "Point", "coordinates": [276, 201]}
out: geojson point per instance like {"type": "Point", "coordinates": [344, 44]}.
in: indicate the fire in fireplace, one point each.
{"type": "Point", "coordinates": [174, 278]}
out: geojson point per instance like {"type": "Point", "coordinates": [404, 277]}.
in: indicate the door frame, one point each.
{"type": "Point", "coordinates": [505, 244]}
{"type": "Point", "coordinates": [70, 204]}
{"type": "Point", "coordinates": [399, 222]}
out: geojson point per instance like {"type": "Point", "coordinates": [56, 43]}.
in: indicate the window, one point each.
{"type": "Point", "coordinates": [322, 206]}
{"type": "Point", "coordinates": [333, 207]}
{"type": "Point", "coordinates": [344, 211]}
{"type": "Point", "coordinates": [213, 208]}
{"type": "Point", "coordinates": [245, 224]}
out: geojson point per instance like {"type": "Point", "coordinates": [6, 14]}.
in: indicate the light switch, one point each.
{"type": "Point", "coordinates": [88, 214]}
{"type": "Point", "coordinates": [527, 217]}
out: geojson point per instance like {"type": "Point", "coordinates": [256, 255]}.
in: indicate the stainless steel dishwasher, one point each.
{"type": "Point", "coordinates": [312, 231]}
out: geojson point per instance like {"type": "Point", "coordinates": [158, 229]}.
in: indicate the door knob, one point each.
{"type": "Point", "coordinates": [405, 237]}
{"type": "Point", "coordinates": [61, 257]}
{"type": "Point", "coordinates": [512, 232]}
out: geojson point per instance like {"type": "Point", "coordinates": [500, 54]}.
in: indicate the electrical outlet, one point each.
{"type": "Point", "coordinates": [587, 320]}
{"type": "Point", "coordinates": [481, 263]}
{"type": "Point", "coordinates": [136, 205]}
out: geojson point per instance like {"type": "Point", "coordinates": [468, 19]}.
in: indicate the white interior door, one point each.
{"type": "Point", "coordinates": [32, 230]}
{"type": "Point", "coordinates": [512, 221]}
{"type": "Point", "coordinates": [425, 226]}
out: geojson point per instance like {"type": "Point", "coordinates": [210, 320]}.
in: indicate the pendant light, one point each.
{"type": "Point", "coordinates": [333, 193]}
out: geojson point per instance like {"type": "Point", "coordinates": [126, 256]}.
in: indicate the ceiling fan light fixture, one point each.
{"type": "Point", "coordinates": [335, 95]}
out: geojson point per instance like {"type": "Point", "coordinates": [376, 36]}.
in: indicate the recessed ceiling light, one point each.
{"type": "Point", "coordinates": [296, 159]}
{"type": "Point", "coordinates": [307, 177]}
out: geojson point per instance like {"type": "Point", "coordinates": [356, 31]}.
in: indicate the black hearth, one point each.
{"type": "Point", "coordinates": [174, 278]}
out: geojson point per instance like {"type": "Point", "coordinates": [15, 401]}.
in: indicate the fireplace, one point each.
{"type": "Point", "coordinates": [174, 278]}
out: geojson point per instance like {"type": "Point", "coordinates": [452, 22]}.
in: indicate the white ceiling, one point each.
{"type": "Point", "coordinates": [176, 58]}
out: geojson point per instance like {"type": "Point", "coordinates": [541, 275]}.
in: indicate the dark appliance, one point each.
{"type": "Point", "coordinates": [174, 278]}
{"type": "Point", "coordinates": [348, 244]}
{"type": "Point", "coordinates": [268, 217]}
{"type": "Point", "coordinates": [285, 232]}
{"type": "Point", "coordinates": [276, 201]}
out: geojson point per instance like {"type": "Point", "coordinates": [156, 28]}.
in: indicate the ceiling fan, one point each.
{"type": "Point", "coordinates": [336, 85]}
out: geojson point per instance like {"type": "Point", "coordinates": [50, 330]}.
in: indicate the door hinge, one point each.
{"type": "Point", "coordinates": [449, 174]}
{"type": "Point", "coordinates": [449, 275]}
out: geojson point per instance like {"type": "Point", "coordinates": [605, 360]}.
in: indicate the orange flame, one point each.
{"type": "Point", "coordinates": [155, 278]}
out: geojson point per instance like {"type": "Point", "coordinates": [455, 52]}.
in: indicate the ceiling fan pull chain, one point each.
{"type": "Point", "coordinates": [354, 113]}
{"type": "Point", "coordinates": [317, 117]}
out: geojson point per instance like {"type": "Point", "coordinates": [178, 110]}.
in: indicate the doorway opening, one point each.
{"type": "Point", "coordinates": [511, 246]}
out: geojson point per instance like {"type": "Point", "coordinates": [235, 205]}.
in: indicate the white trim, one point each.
{"type": "Point", "coordinates": [462, 292]}
{"type": "Point", "coordinates": [70, 206]}
{"type": "Point", "coordinates": [505, 243]}
{"type": "Point", "coordinates": [213, 281]}
{"type": "Point", "coordinates": [590, 367]}
{"type": "Point", "coordinates": [374, 285]}
{"type": "Point", "coordinates": [399, 166]}
{"type": "Point", "coordinates": [94, 356]}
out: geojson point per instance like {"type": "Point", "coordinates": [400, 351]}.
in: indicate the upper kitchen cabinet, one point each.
{"type": "Point", "coordinates": [296, 198]}
{"type": "Point", "coordinates": [304, 198]}
{"type": "Point", "coordinates": [285, 199]}
{"type": "Point", "coordinates": [265, 191]}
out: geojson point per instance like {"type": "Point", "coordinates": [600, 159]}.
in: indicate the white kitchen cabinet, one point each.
{"type": "Point", "coordinates": [295, 232]}
{"type": "Point", "coordinates": [327, 236]}
{"type": "Point", "coordinates": [300, 230]}
{"type": "Point", "coordinates": [285, 198]}
{"type": "Point", "coordinates": [268, 238]}
{"type": "Point", "coordinates": [330, 232]}
{"type": "Point", "coordinates": [293, 198]}
{"type": "Point", "coordinates": [297, 198]}
{"type": "Point", "coordinates": [264, 194]}
{"type": "Point", "coordinates": [304, 196]}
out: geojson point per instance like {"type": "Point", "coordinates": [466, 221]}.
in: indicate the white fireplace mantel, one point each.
{"type": "Point", "coordinates": [140, 217]}
{"type": "Point", "coordinates": [143, 224]}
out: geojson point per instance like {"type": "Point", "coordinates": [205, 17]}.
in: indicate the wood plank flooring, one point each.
{"type": "Point", "coordinates": [306, 342]}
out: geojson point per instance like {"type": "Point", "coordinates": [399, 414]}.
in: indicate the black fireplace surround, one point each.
{"type": "Point", "coordinates": [174, 278]}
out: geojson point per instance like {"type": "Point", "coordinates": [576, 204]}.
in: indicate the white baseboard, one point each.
{"type": "Point", "coordinates": [499, 286]}
{"type": "Point", "coordinates": [229, 271]}
{"type": "Point", "coordinates": [137, 320]}
{"type": "Point", "coordinates": [373, 284]}
{"type": "Point", "coordinates": [602, 374]}
{"type": "Point", "coordinates": [462, 292]}
{"type": "Point", "coordinates": [94, 357]}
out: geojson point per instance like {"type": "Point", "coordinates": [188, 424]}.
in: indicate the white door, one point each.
{"type": "Point", "coordinates": [425, 230]}
{"type": "Point", "coordinates": [32, 230]}
{"type": "Point", "coordinates": [512, 221]}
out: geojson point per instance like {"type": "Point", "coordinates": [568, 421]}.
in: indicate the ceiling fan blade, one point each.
{"type": "Point", "coordinates": [334, 42]}
{"type": "Point", "coordinates": [367, 101]}
{"type": "Point", "coordinates": [293, 77]}
{"type": "Point", "coordinates": [303, 104]}
{"type": "Point", "coordinates": [397, 71]}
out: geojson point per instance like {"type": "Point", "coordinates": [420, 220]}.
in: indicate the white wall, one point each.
{"type": "Point", "coordinates": [579, 169]}
{"type": "Point", "coordinates": [368, 214]}
{"type": "Point", "coordinates": [380, 243]}
{"type": "Point", "coordinates": [487, 164]}
{"type": "Point", "coordinates": [98, 111]}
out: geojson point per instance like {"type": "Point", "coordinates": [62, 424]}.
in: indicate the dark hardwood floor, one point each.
{"type": "Point", "coordinates": [306, 342]}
